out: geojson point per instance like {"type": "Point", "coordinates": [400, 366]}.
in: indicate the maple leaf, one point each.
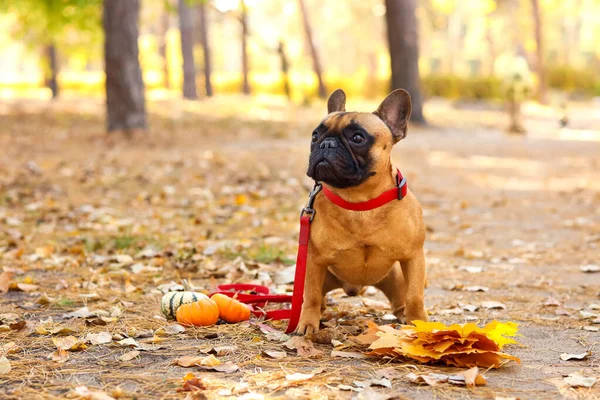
{"type": "Point", "coordinates": [466, 345]}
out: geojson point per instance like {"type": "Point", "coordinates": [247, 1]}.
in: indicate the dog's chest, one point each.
{"type": "Point", "coordinates": [359, 251]}
{"type": "Point", "coordinates": [362, 265]}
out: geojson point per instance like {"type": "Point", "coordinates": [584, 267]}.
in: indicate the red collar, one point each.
{"type": "Point", "coordinates": [396, 193]}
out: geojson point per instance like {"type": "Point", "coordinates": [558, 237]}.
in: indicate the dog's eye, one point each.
{"type": "Point", "coordinates": [358, 138]}
{"type": "Point", "coordinates": [315, 137]}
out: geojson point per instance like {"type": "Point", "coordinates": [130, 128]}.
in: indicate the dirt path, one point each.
{"type": "Point", "coordinates": [213, 196]}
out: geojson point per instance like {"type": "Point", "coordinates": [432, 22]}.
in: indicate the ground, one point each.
{"type": "Point", "coordinates": [212, 196]}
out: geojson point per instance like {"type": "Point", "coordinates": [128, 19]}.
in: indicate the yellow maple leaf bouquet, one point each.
{"type": "Point", "coordinates": [465, 345]}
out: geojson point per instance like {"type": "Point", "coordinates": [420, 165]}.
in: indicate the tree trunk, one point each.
{"type": "Point", "coordinates": [51, 79]}
{"type": "Point", "coordinates": [403, 40]}
{"type": "Point", "coordinates": [313, 50]}
{"type": "Point", "coordinates": [244, 22]}
{"type": "Point", "coordinates": [186, 27]}
{"type": "Point", "coordinates": [489, 37]}
{"type": "Point", "coordinates": [162, 47]}
{"type": "Point", "coordinates": [125, 102]}
{"type": "Point", "coordinates": [205, 48]}
{"type": "Point", "coordinates": [284, 70]}
{"type": "Point", "coordinates": [539, 40]}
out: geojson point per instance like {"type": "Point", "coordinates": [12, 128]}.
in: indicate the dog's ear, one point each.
{"type": "Point", "coordinates": [395, 112]}
{"type": "Point", "coordinates": [337, 101]}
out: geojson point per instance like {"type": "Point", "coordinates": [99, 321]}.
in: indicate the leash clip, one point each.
{"type": "Point", "coordinates": [400, 186]}
{"type": "Point", "coordinates": [309, 210]}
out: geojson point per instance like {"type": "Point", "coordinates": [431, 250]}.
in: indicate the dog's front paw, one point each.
{"type": "Point", "coordinates": [309, 323]}
{"type": "Point", "coordinates": [416, 315]}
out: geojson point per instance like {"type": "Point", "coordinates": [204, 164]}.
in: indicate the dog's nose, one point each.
{"type": "Point", "coordinates": [329, 143]}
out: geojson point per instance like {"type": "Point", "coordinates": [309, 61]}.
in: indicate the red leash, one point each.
{"type": "Point", "coordinates": [260, 295]}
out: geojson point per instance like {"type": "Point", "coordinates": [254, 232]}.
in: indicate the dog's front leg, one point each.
{"type": "Point", "coordinates": [413, 270]}
{"type": "Point", "coordinates": [311, 307]}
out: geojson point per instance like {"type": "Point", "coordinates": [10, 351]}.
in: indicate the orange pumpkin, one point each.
{"type": "Point", "coordinates": [203, 312]}
{"type": "Point", "coordinates": [231, 310]}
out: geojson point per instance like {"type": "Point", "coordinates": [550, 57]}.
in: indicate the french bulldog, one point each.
{"type": "Point", "coordinates": [382, 247]}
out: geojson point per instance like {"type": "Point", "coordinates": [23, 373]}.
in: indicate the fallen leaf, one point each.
{"type": "Point", "coordinates": [347, 354]}
{"type": "Point", "coordinates": [469, 378]}
{"type": "Point", "coordinates": [299, 377]}
{"type": "Point", "coordinates": [383, 382]}
{"type": "Point", "coordinates": [99, 338]}
{"type": "Point", "coordinates": [590, 268]}
{"type": "Point", "coordinates": [130, 355]}
{"type": "Point", "coordinates": [210, 361]}
{"type": "Point", "coordinates": [275, 354]}
{"type": "Point", "coordinates": [83, 312]}
{"type": "Point", "coordinates": [128, 342]}
{"type": "Point", "coordinates": [273, 334]}
{"type": "Point", "coordinates": [476, 289]}
{"type": "Point", "coordinates": [471, 269]}
{"type": "Point", "coordinates": [5, 278]}
{"type": "Point", "coordinates": [227, 367]}
{"type": "Point", "coordinates": [4, 366]}
{"type": "Point", "coordinates": [188, 361]}
{"type": "Point", "coordinates": [220, 350]}
{"type": "Point", "coordinates": [24, 287]}
{"type": "Point", "coordinates": [69, 343]}
{"type": "Point", "coordinates": [9, 348]}
{"type": "Point", "coordinates": [285, 275]}
{"type": "Point", "coordinates": [584, 314]}
{"type": "Point", "coordinates": [59, 356]}
{"type": "Point", "coordinates": [582, 356]}
{"type": "Point", "coordinates": [303, 346]}
{"type": "Point", "coordinates": [326, 336]}
{"type": "Point", "coordinates": [168, 330]}
{"type": "Point", "coordinates": [191, 383]}
{"type": "Point", "coordinates": [429, 379]}
{"type": "Point", "coordinates": [491, 305]}
{"type": "Point", "coordinates": [591, 328]}
{"type": "Point", "coordinates": [84, 392]}
{"type": "Point", "coordinates": [576, 379]}
{"type": "Point", "coordinates": [389, 373]}
{"type": "Point", "coordinates": [375, 304]}
{"type": "Point", "coordinates": [551, 302]}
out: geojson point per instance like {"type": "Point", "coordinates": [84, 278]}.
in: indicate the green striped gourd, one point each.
{"type": "Point", "coordinates": [171, 301]}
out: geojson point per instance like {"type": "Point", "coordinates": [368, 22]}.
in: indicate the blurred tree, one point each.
{"type": "Point", "coordinates": [186, 26]}
{"type": "Point", "coordinates": [126, 109]}
{"type": "Point", "coordinates": [205, 47]}
{"type": "Point", "coordinates": [403, 43]}
{"type": "Point", "coordinates": [46, 23]}
{"type": "Point", "coordinates": [284, 69]}
{"type": "Point", "coordinates": [244, 22]}
{"type": "Point", "coordinates": [52, 74]}
{"type": "Point", "coordinates": [539, 40]}
{"type": "Point", "coordinates": [162, 46]}
{"type": "Point", "coordinates": [313, 50]}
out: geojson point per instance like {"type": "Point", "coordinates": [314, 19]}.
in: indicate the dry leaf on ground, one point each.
{"type": "Point", "coordinates": [227, 367]}
{"type": "Point", "coordinates": [98, 338]}
{"type": "Point", "coordinates": [576, 379]}
{"type": "Point", "coordinates": [130, 355]}
{"type": "Point", "coordinates": [4, 366]}
{"type": "Point", "coordinates": [69, 343]}
{"type": "Point", "coordinates": [303, 346]}
{"type": "Point", "coordinates": [59, 356]}
{"type": "Point", "coordinates": [590, 268]}
{"type": "Point", "coordinates": [347, 354]}
{"type": "Point", "coordinates": [582, 356]}
{"type": "Point", "coordinates": [5, 278]}
{"type": "Point", "coordinates": [188, 361]}
{"type": "Point", "coordinates": [275, 354]}
{"type": "Point", "coordinates": [460, 345]}
{"type": "Point", "coordinates": [85, 393]}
